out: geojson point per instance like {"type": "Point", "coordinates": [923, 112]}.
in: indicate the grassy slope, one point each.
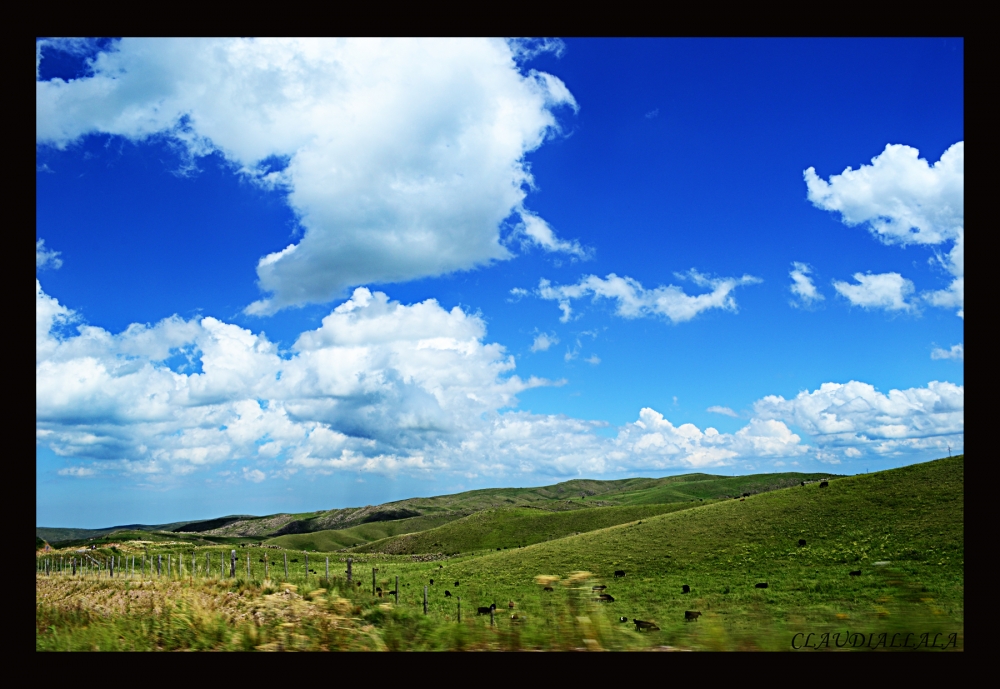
{"type": "Point", "coordinates": [512, 528]}
{"type": "Point", "coordinates": [912, 517]}
{"type": "Point", "coordinates": [335, 539]}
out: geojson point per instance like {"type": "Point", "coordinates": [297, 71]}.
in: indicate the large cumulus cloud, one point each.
{"type": "Point", "coordinates": [387, 387]}
{"type": "Point", "coordinates": [402, 158]}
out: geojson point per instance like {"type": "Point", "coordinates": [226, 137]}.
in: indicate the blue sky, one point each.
{"type": "Point", "coordinates": [300, 275]}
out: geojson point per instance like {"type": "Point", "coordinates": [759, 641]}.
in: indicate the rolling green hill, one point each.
{"type": "Point", "coordinates": [336, 539]}
{"type": "Point", "coordinates": [514, 527]}
{"type": "Point", "coordinates": [902, 529]}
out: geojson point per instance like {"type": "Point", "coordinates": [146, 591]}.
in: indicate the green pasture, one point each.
{"type": "Point", "coordinates": [902, 529]}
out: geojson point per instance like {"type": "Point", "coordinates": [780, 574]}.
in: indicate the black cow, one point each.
{"type": "Point", "coordinates": [691, 615]}
{"type": "Point", "coordinates": [685, 589]}
{"type": "Point", "coordinates": [802, 542]}
{"type": "Point", "coordinates": [855, 573]}
{"type": "Point", "coordinates": [746, 495]}
{"type": "Point", "coordinates": [447, 594]}
{"type": "Point", "coordinates": [762, 585]}
{"type": "Point", "coordinates": [294, 559]}
{"type": "Point", "coordinates": [605, 598]}
{"type": "Point", "coordinates": [548, 588]}
{"type": "Point", "coordinates": [619, 573]}
{"type": "Point", "coordinates": [456, 583]}
{"type": "Point", "coordinates": [432, 582]}
{"type": "Point", "coordinates": [623, 619]}
{"type": "Point", "coordinates": [640, 625]}
{"type": "Point", "coordinates": [486, 611]}
{"type": "Point", "coordinates": [824, 484]}
{"type": "Point", "coordinates": [803, 483]}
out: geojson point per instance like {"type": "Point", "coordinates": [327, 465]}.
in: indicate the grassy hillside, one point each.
{"type": "Point", "coordinates": [336, 539]}
{"type": "Point", "coordinates": [513, 528]}
{"type": "Point", "coordinates": [910, 520]}
{"type": "Point", "coordinates": [902, 530]}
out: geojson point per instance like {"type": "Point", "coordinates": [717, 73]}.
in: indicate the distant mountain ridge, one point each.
{"type": "Point", "coordinates": [568, 495]}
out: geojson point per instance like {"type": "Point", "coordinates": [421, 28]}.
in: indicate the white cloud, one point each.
{"type": "Point", "coordinates": [901, 198]}
{"type": "Point", "coordinates": [404, 157]}
{"type": "Point", "coordinates": [855, 414]}
{"type": "Point", "coordinates": [634, 301]}
{"type": "Point", "coordinates": [887, 291]}
{"type": "Point", "coordinates": [255, 475]}
{"type": "Point", "coordinates": [543, 341]}
{"type": "Point", "coordinates": [537, 231]}
{"type": "Point", "coordinates": [956, 352]}
{"type": "Point", "coordinates": [904, 200]}
{"type": "Point", "coordinates": [46, 258]}
{"type": "Point", "coordinates": [593, 360]}
{"type": "Point", "coordinates": [77, 471]}
{"type": "Point", "coordinates": [802, 285]}
{"type": "Point", "coordinates": [387, 387]}
{"type": "Point", "coordinates": [715, 409]}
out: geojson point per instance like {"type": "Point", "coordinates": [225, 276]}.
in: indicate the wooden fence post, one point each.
{"type": "Point", "coordinates": [348, 570]}
{"type": "Point", "coordinates": [159, 564]}
{"type": "Point", "coordinates": [286, 566]}
{"type": "Point", "coordinates": [248, 566]}
{"type": "Point", "coordinates": [425, 600]}
{"type": "Point", "coordinates": [327, 571]}
{"type": "Point", "coordinates": [232, 564]}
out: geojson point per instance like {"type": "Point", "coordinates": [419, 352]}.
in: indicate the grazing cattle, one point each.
{"type": "Point", "coordinates": [855, 573]}
{"type": "Point", "coordinates": [803, 483]}
{"type": "Point", "coordinates": [746, 495]}
{"type": "Point", "coordinates": [691, 615]}
{"type": "Point", "coordinates": [762, 585]}
{"type": "Point", "coordinates": [295, 559]}
{"type": "Point", "coordinates": [456, 583]}
{"type": "Point", "coordinates": [432, 582]}
{"type": "Point", "coordinates": [548, 588]}
{"type": "Point", "coordinates": [641, 624]}
{"type": "Point", "coordinates": [498, 548]}
{"type": "Point", "coordinates": [447, 594]}
{"type": "Point", "coordinates": [486, 611]}
{"type": "Point", "coordinates": [440, 566]}
{"type": "Point", "coordinates": [605, 598]}
{"type": "Point", "coordinates": [685, 589]}
{"type": "Point", "coordinates": [619, 573]}
{"type": "Point", "coordinates": [802, 542]}
{"type": "Point", "coordinates": [510, 605]}
{"type": "Point", "coordinates": [623, 619]}
{"type": "Point", "coordinates": [599, 587]}
{"type": "Point", "coordinates": [824, 484]}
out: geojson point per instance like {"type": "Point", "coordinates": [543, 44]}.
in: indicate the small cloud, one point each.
{"type": "Point", "coordinates": [852, 452]}
{"type": "Point", "coordinates": [802, 285]}
{"type": "Point", "coordinates": [887, 291]}
{"type": "Point", "coordinates": [543, 341]}
{"type": "Point", "coordinates": [594, 360]}
{"type": "Point", "coordinates": [255, 475]}
{"type": "Point", "coordinates": [46, 258]}
{"type": "Point", "coordinates": [653, 113]}
{"type": "Point", "coordinates": [77, 471]}
{"type": "Point", "coordinates": [675, 400]}
{"type": "Point", "coordinates": [957, 352]}
{"type": "Point", "coordinates": [518, 293]}
{"type": "Point", "coordinates": [715, 409]}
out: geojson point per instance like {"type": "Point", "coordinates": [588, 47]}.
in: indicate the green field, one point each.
{"type": "Point", "coordinates": [902, 529]}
